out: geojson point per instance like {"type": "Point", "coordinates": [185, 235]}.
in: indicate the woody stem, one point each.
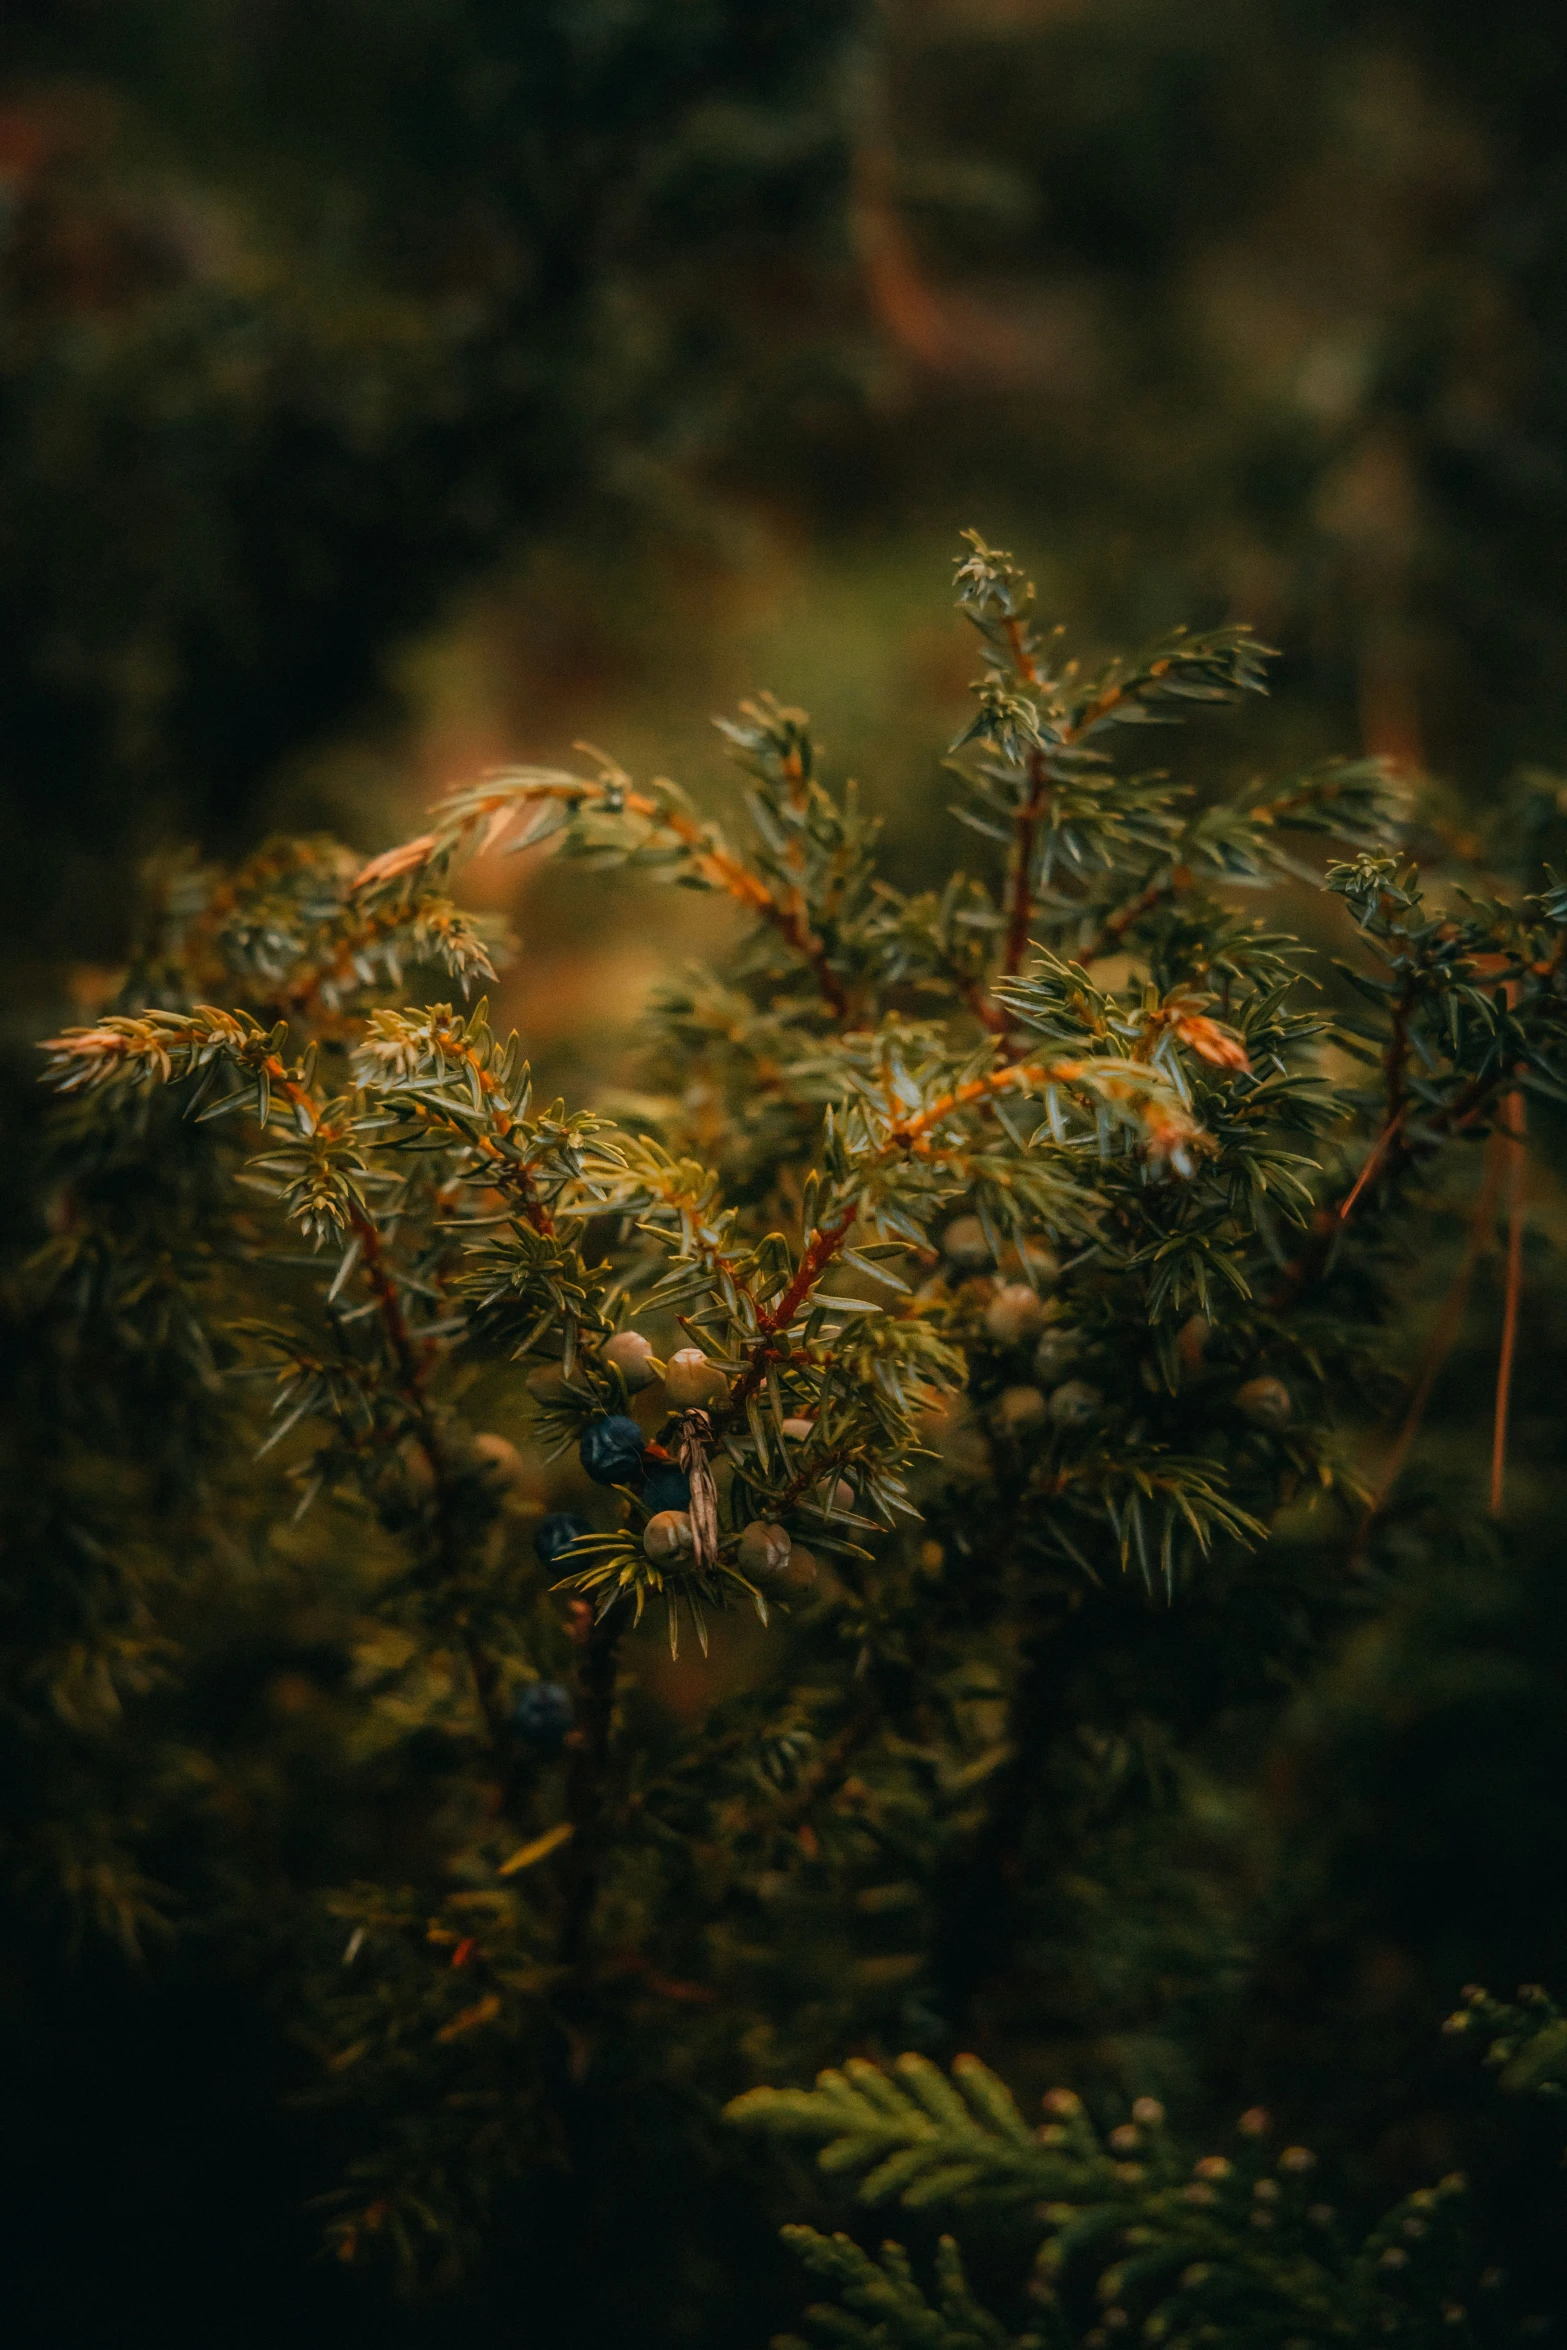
{"type": "Point", "coordinates": [1021, 912]}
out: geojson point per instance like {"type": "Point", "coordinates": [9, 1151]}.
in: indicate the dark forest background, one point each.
{"type": "Point", "coordinates": [389, 389]}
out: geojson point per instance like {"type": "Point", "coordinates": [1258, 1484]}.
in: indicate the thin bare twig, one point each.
{"type": "Point", "coordinates": [1021, 912]}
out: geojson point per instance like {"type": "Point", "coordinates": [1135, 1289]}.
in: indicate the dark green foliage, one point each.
{"type": "Point", "coordinates": [1000, 1276]}
{"type": "Point", "coordinates": [1528, 2039]}
{"type": "Point", "coordinates": [1238, 2248]}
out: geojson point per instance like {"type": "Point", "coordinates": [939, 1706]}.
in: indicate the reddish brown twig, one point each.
{"type": "Point", "coordinates": [508, 1169]}
{"type": "Point", "coordinates": [1027, 819]}
{"type": "Point", "coordinates": [1021, 911]}
{"type": "Point", "coordinates": [1112, 934]}
{"type": "Point", "coordinates": [717, 865]}
{"type": "Point", "coordinates": [987, 1013]}
{"type": "Point", "coordinates": [1022, 659]}
{"type": "Point", "coordinates": [904, 1134]}
{"type": "Point", "coordinates": [820, 1250]}
{"type": "Point", "coordinates": [1374, 1158]}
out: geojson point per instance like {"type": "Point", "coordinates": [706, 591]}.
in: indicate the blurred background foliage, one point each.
{"type": "Point", "coordinates": [387, 390]}
{"type": "Point", "coordinates": [361, 366]}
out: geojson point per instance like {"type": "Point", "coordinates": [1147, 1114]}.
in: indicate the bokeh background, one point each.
{"type": "Point", "coordinates": [388, 390]}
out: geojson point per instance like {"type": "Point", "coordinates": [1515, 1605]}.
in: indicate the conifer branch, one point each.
{"type": "Point", "coordinates": [544, 803]}
{"type": "Point", "coordinates": [896, 2314]}
{"type": "Point", "coordinates": [412, 1372]}
{"type": "Point", "coordinates": [1125, 918]}
{"type": "Point", "coordinates": [913, 1133]}
{"type": "Point", "coordinates": [1019, 1293]}
{"type": "Point", "coordinates": [1228, 2249]}
{"type": "Point", "coordinates": [1021, 913]}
